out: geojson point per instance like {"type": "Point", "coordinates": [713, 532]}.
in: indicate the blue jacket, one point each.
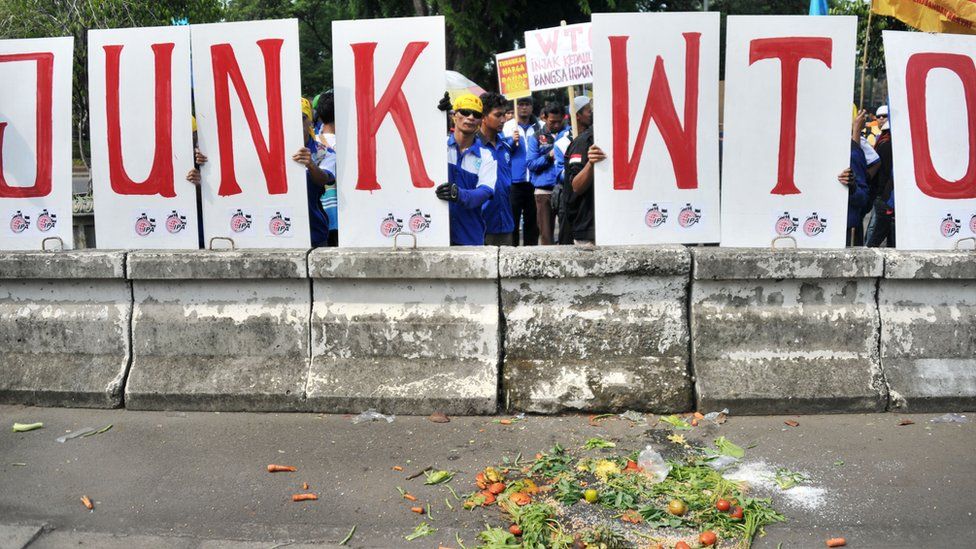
{"type": "Point", "coordinates": [318, 220]}
{"type": "Point", "coordinates": [545, 172]}
{"type": "Point", "coordinates": [520, 171]}
{"type": "Point", "coordinates": [498, 211]}
{"type": "Point", "coordinates": [474, 172]}
{"type": "Point", "coordinates": [857, 202]}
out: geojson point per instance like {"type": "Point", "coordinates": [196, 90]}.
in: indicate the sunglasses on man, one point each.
{"type": "Point", "coordinates": [468, 112]}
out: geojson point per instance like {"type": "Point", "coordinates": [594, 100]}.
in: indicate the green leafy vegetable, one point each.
{"type": "Point", "coordinates": [787, 479]}
{"type": "Point", "coordinates": [727, 448]}
{"type": "Point", "coordinates": [24, 427]}
{"type": "Point", "coordinates": [676, 422]}
{"type": "Point", "coordinates": [598, 443]}
{"type": "Point", "coordinates": [421, 531]}
{"type": "Point", "coordinates": [98, 432]}
{"type": "Point", "coordinates": [438, 477]}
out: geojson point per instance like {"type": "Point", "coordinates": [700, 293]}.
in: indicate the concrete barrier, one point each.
{"type": "Point", "coordinates": [404, 331]}
{"type": "Point", "coordinates": [600, 329]}
{"type": "Point", "coordinates": [219, 330]}
{"type": "Point", "coordinates": [64, 328]}
{"type": "Point", "coordinates": [787, 331]}
{"type": "Point", "coordinates": [928, 330]}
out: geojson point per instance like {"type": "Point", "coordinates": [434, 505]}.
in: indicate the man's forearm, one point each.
{"type": "Point", "coordinates": [583, 179]}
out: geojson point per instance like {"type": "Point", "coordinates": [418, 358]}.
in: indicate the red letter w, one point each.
{"type": "Point", "coordinates": [682, 143]}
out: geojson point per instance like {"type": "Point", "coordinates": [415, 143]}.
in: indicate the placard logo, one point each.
{"type": "Point", "coordinates": [279, 224]}
{"type": "Point", "coordinates": [655, 216]}
{"type": "Point", "coordinates": [688, 216]}
{"type": "Point", "coordinates": [390, 226]}
{"type": "Point", "coordinates": [949, 226]}
{"type": "Point", "coordinates": [240, 221]}
{"type": "Point", "coordinates": [814, 225]}
{"type": "Point", "coordinates": [19, 222]}
{"type": "Point", "coordinates": [46, 221]}
{"type": "Point", "coordinates": [175, 222]}
{"type": "Point", "coordinates": [145, 225]}
{"type": "Point", "coordinates": [418, 221]}
{"type": "Point", "coordinates": [786, 225]}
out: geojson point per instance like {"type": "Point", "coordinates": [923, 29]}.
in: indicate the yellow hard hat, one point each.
{"type": "Point", "coordinates": [468, 101]}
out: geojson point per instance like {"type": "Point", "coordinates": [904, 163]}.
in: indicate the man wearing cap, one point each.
{"type": "Point", "coordinates": [882, 224]}
{"type": "Point", "coordinates": [578, 181]}
{"type": "Point", "coordinates": [471, 174]}
{"type": "Point", "coordinates": [519, 130]}
{"type": "Point", "coordinates": [564, 192]}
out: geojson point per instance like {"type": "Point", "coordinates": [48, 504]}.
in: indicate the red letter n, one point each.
{"type": "Point", "coordinates": [789, 51]}
{"type": "Point", "coordinates": [370, 115]}
{"type": "Point", "coordinates": [44, 117]}
{"type": "Point", "coordinates": [928, 181]}
{"type": "Point", "coordinates": [160, 179]}
{"type": "Point", "coordinates": [270, 154]}
{"type": "Point", "coordinates": [682, 143]}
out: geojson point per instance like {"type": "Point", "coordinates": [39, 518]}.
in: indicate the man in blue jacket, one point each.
{"type": "Point", "coordinates": [471, 174]}
{"type": "Point", "coordinates": [545, 164]}
{"type": "Point", "coordinates": [520, 129]}
{"type": "Point", "coordinates": [499, 223]}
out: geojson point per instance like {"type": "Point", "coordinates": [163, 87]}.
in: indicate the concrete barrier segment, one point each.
{"type": "Point", "coordinates": [596, 329]}
{"type": "Point", "coordinates": [65, 328]}
{"type": "Point", "coordinates": [787, 331]}
{"type": "Point", "coordinates": [407, 332]}
{"type": "Point", "coordinates": [927, 302]}
{"type": "Point", "coordinates": [219, 330]}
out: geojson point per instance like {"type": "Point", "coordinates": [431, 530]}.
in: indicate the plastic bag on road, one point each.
{"type": "Point", "coordinates": [653, 465]}
{"type": "Point", "coordinates": [372, 415]}
{"type": "Point", "coordinates": [950, 418]}
{"type": "Point", "coordinates": [75, 434]}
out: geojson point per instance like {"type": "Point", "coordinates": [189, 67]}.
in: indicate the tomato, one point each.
{"type": "Point", "coordinates": [677, 507]}
{"type": "Point", "coordinates": [591, 496]}
{"type": "Point", "coordinates": [515, 530]}
{"type": "Point", "coordinates": [681, 545]}
{"type": "Point", "coordinates": [736, 513]}
{"type": "Point", "coordinates": [707, 538]}
{"type": "Point", "coordinates": [496, 488]}
{"type": "Point", "coordinates": [723, 505]}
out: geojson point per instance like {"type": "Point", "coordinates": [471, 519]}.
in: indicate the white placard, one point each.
{"type": "Point", "coordinates": [249, 124]}
{"type": "Point", "coordinates": [35, 142]}
{"type": "Point", "coordinates": [392, 149]}
{"type": "Point", "coordinates": [779, 177]}
{"type": "Point", "coordinates": [932, 94]}
{"type": "Point", "coordinates": [668, 190]}
{"type": "Point", "coordinates": [142, 138]}
{"type": "Point", "coordinates": [559, 57]}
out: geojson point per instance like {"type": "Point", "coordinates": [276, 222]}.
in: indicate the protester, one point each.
{"type": "Point", "coordinates": [520, 130]}
{"type": "Point", "coordinates": [581, 155]}
{"type": "Point", "coordinates": [509, 111]}
{"type": "Point", "coordinates": [545, 167]}
{"type": "Point", "coordinates": [855, 178]}
{"type": "Point", "coordinates": [497, 212]}
{"type": "Point", "coordinates": [320, 166]}
{"type": "Point", "coordinates": [882, 225]}
{"type": "Point", "coordinates": [325, 135]}
{"type": "Point", "coordinates": [471, 174]}
{"type": "Point", "coordinates": [562, 192]}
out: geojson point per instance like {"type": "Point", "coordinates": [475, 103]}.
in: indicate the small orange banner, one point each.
{"type": "Point", "coordinates": [513, 75]}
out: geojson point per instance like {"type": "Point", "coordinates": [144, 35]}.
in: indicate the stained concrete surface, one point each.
{"type": "Point", "coordinates": [198, 479]}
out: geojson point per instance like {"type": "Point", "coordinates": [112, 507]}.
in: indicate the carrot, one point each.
{"type": "Point", "coordinates": [304, 486]}
{"type": "Point", "coordinates": [418, 510]}
{"type": "Point", "coordinates": [836, 542]}
{"type": "Point", "coordinates": [505, 421]}
{"type": "Point", "coordinates": [304, 497]}
{"type": "Point", "coordinates": [694, 422]}
{"type": "Point", "coordinates": [272, 468]}
{"type": "Point", "coordinates": [409, 497]}
{"type": "Point", "coordinates": [699, 415]}
{"type": "Point", "coordinates": [87, 503]}
{"type": "Point", "coordinates": [397, 468]}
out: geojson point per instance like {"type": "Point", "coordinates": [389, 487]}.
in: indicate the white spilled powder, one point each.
{"type": "Point", "coordinates": [759, 478]}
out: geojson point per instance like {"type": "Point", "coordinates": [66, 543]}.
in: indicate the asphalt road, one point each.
{"type": "Point", "coordinates": [173, 479]}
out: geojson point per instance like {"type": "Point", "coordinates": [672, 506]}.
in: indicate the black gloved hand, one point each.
{"type": "Point", "coordinates": [447, 191]}
{"type": "Point", "coordinates": [445, 103]}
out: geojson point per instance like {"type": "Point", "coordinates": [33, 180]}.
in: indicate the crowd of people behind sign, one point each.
{"type": "Point", "coordinates": [520, 175]}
